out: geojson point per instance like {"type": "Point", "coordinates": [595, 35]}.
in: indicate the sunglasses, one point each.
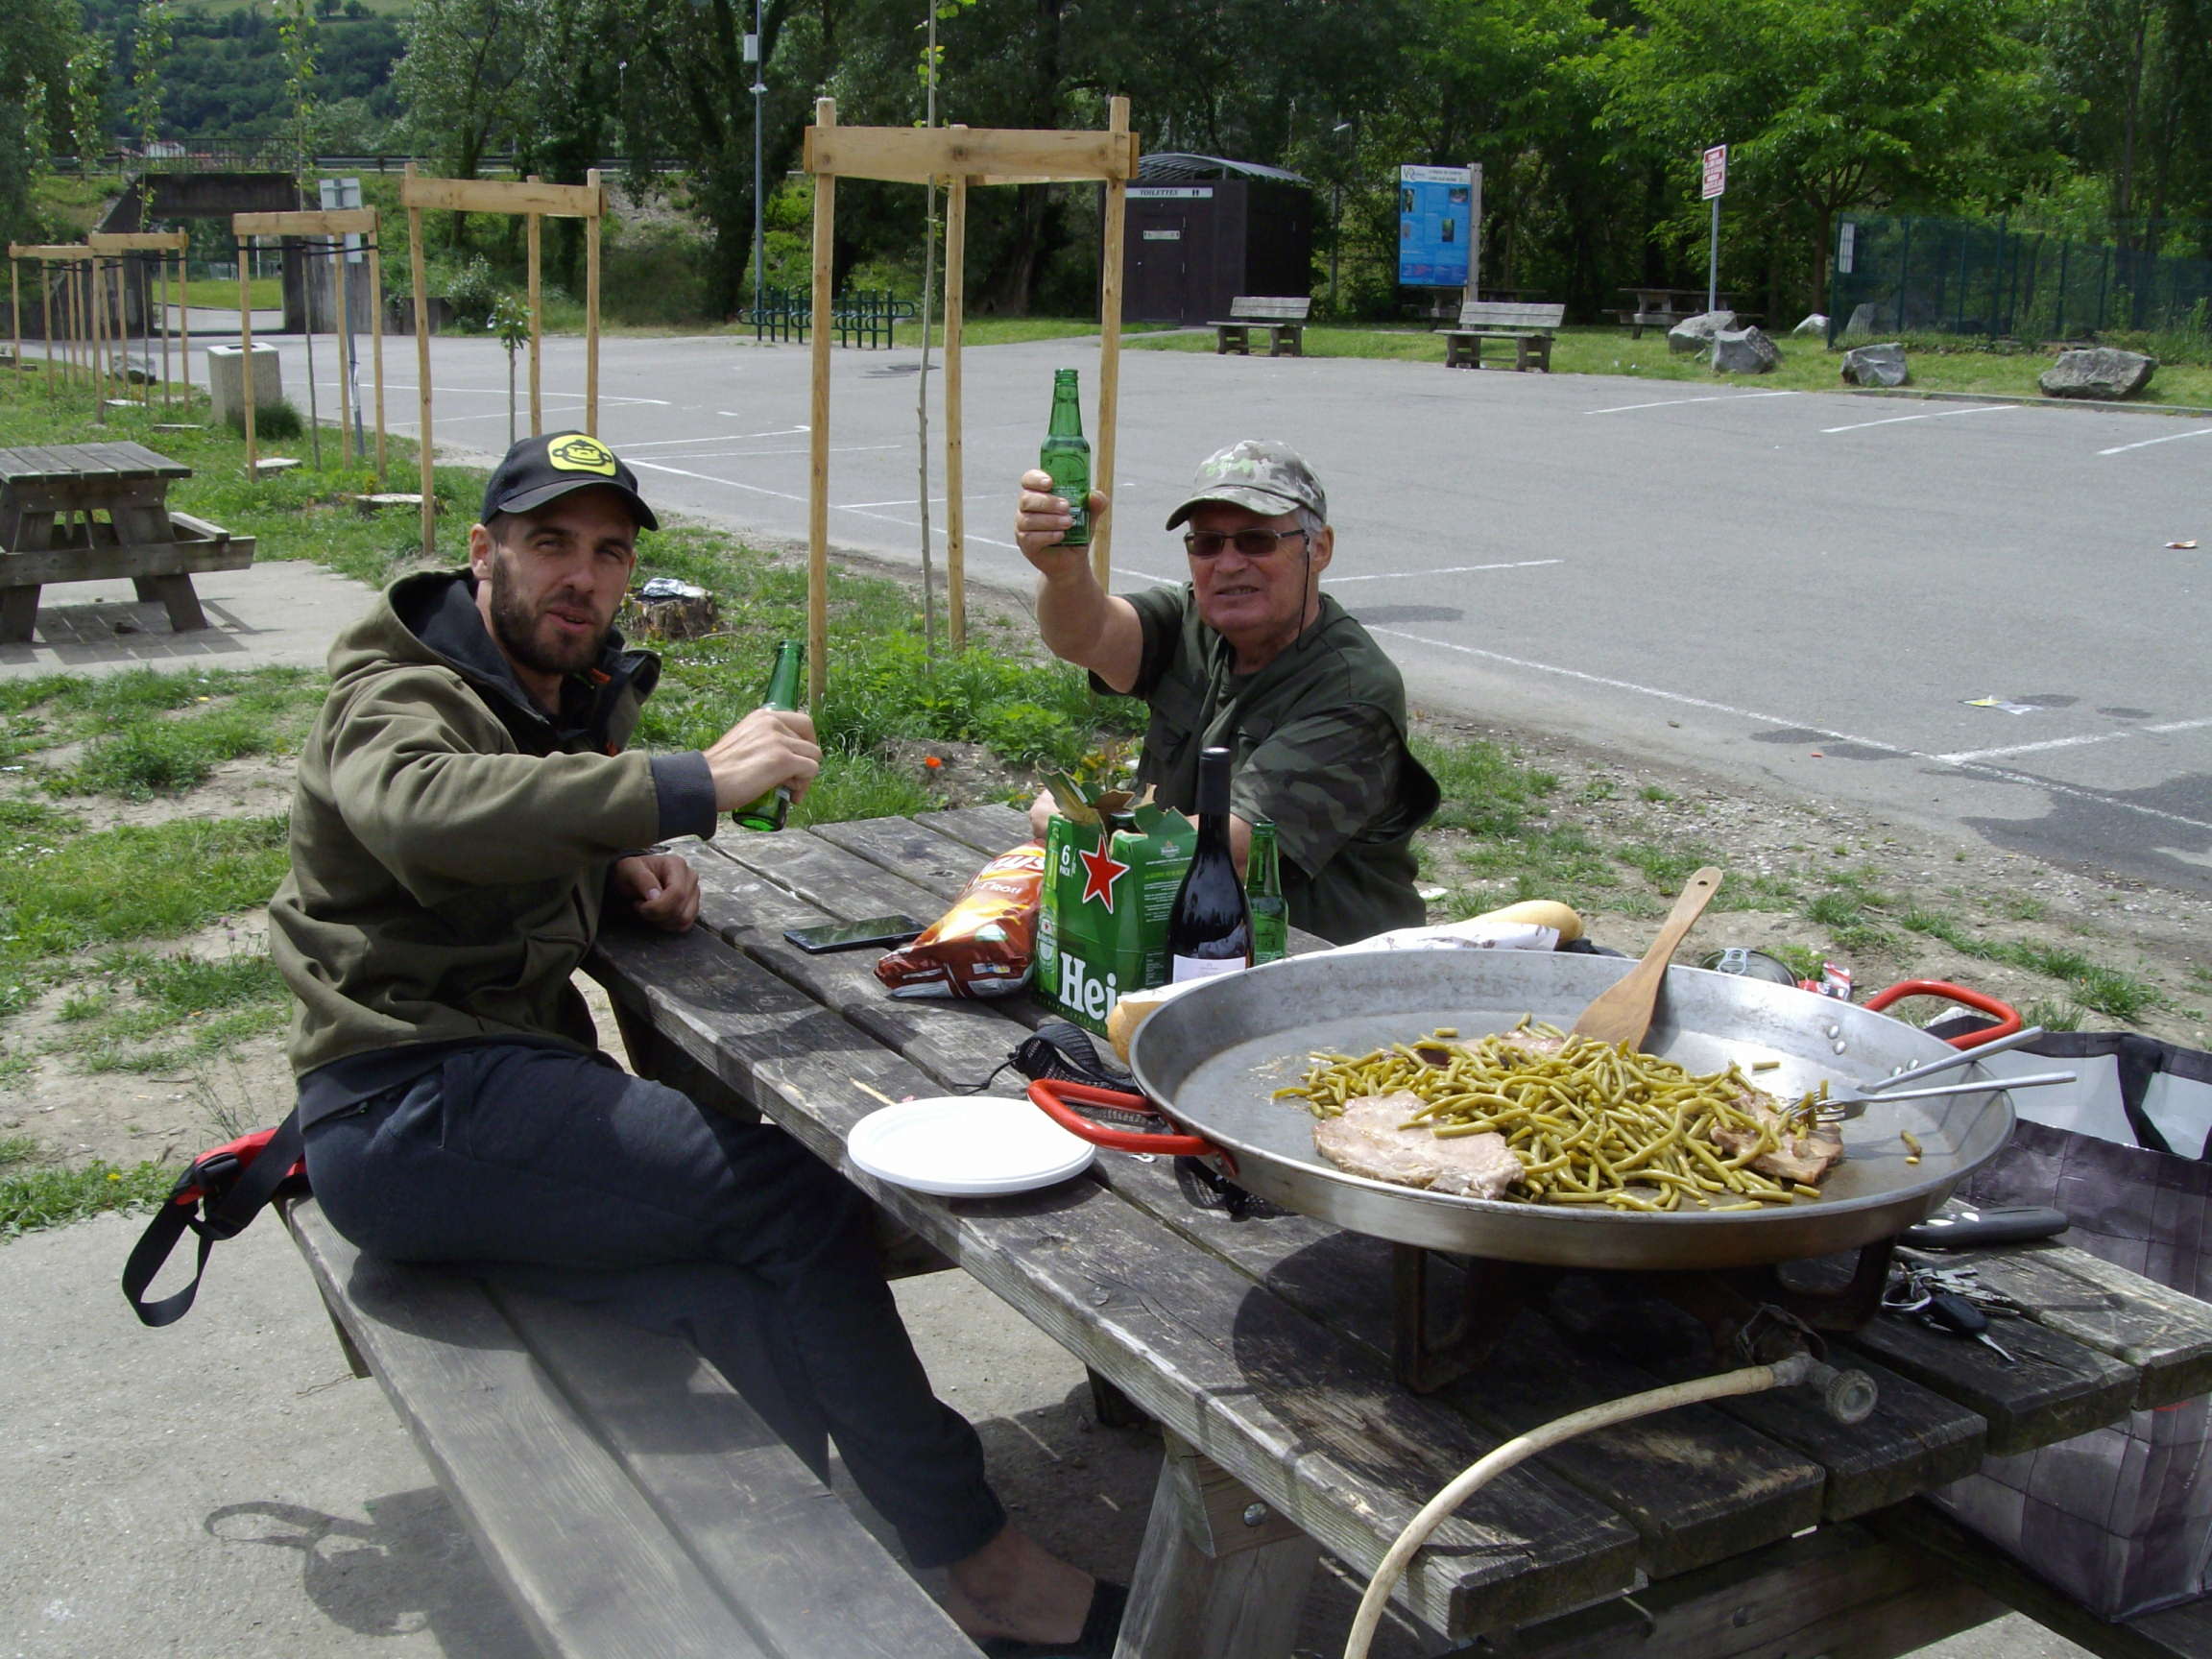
{"type": "Point", "coordinates": [1251, 544]}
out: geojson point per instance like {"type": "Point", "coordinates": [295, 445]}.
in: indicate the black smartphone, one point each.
{"type": "Point", "coordinates": [883, 930]}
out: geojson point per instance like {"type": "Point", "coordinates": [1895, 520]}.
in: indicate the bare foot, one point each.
{"type": "Point", "coordinates": [1012, 1587]}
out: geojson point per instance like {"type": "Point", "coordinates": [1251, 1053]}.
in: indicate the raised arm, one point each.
{"type": "Point", "coordinates": [1079, 621]}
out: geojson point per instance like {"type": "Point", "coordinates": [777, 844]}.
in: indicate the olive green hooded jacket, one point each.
{"type": "Point", "coordinates": [450, 842]}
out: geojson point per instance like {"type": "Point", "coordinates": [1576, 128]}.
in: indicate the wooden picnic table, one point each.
{"type": "Point", "coordinates": [1663, 307]}
{"type": "Point", "coordinates": [1264, 1345]}
{"type": "Point", "coordinates": [94, 511]}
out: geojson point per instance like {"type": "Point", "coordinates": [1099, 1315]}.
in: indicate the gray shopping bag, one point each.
{"type": "Point", "coordinates": [2121, 1518]}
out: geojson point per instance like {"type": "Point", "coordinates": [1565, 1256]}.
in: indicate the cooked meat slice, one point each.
{"type": "Point", "coordinates": [1369, 1138]}
{"type": "Point", "coordinates": [1799, 1157]}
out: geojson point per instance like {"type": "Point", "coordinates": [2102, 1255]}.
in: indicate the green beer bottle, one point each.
{"type": "Point", "coordinates": [1067, 456]}
{"type": "Point", "coordinates": [1264, 892]}
{"type": "Point", "coordinates": [767, 813]}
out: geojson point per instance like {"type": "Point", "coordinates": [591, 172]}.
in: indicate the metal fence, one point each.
{"type": "Point", "coordinates": [864, 316]}
{"type": "Point", "coordinates": [1950, 277]}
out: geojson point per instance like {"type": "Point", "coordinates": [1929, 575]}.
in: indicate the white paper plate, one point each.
{"type": "Point", "coordinates": [967, 1145]}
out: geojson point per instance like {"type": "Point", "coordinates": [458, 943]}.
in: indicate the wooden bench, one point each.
{"type": "Point", "coordinates": [1530, 329]}
{"type": "Point", "coordinates": [1283, 317]}
{"type": "Point", "coordinates": [626, 1498]}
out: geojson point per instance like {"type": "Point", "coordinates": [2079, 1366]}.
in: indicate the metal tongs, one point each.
{"type": "Point", "coordinates": [1839, 1107]}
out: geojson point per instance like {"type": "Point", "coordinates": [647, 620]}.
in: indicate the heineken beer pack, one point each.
{"type": "Point", "coordinates": [1109, 885]}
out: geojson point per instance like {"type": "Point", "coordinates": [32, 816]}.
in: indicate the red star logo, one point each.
{"type": "Point", "coordinates": [1101, 870]}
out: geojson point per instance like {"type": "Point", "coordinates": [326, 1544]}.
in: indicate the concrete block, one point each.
{"type": "Point", "coordinates": [227, 384]}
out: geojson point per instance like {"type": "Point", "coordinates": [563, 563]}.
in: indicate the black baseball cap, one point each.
{"type": "Point", "coordinates": [548, 466]}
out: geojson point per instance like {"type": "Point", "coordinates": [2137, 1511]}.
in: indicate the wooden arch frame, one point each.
{"type": "Point", "coordinates": [535, 200]}
{"type": "Point", "coordinates": [961, 157]}
{"type": "Point", "coordinates": [161, 243]}
{"type": "Point", "coordinates": [335, 222]}
{"type": "Point", "coordinates": [73, 342]}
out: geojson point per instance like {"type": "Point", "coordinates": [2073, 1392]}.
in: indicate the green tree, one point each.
{"type": "Point", "coordinates": [42, 40]}
{"type": "Point", "coordinates": [1825, 105]}
{"type": "Point", "coordinates": [2136, 85]}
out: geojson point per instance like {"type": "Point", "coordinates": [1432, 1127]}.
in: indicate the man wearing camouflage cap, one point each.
{"type": "Point", "coordinates": [1251, 654]}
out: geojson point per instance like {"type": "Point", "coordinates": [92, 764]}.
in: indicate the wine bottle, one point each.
{"type": "Point", "coordinates": [1264, 892]}
{"type": "Point", "coordinates": [768, 810]}
{"type": "Point", "coordinates": [1210, 929]}
{"type": "Point", "coordinates": [1067, 456]}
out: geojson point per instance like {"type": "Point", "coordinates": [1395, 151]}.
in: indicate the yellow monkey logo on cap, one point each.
{"type": "Point", "coordinates": [578, 453]}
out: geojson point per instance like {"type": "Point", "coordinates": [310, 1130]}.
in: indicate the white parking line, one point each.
{"type": "Point", "coordinates": [1447, 570]}
{"type": "Point", "coordinates": [1964, 756]}
{"type": "Point", "coordinates": [1670, 403]}
{"type": "Point", "coordinates": [710, 478]}
{"type": "Point", "coordinates": [725, 438]}
{"type": "Point", "coordinates": [2170, 438]}
{"type": "Point", "coordinates": [1999, 773]}
{"type": "Point", "coordinates": [1932, 415]}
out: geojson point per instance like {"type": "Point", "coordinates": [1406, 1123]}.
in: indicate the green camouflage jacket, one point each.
{"type": "Point", "coordinates": [1319, 740]}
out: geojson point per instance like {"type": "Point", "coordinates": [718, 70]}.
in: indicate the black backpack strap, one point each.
{"type": "Point", "coordinates": [217, 1198]}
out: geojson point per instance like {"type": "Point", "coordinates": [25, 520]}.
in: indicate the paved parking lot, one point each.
{"type": "Point", "coordinates": [1965, 616]}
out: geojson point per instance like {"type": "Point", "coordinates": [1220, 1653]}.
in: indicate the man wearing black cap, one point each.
{"type": "Point", "coordinates": [465, 811]}
{"type": "Point", "coordinates": [1251, 654]}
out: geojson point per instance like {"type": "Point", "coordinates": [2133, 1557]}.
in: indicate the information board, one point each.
{"type": "Point", "coordinates": [1436, 210]}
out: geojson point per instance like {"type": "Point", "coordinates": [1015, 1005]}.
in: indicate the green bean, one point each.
{"type": "Point", "coordinates": [1589, 1121]}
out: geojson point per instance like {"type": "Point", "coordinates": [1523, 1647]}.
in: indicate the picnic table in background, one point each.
{"type": "Point", "coordinates": [1262, 1344]}
{"type": "Point", "coordinates": [1663, 307]}
{"type": "Point", "coordinates": [98, 512]}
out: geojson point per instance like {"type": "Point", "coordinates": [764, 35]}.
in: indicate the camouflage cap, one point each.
{"type": "Point", "coordinates": [1259, 474]}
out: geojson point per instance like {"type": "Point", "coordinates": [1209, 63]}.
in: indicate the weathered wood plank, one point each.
{"type": "Point", "coordinates": [2164, 1333]}
{"type": "Point", "coordinates": [113, 561]}
{"type": "Point", "coordinates": [1840, 1592]}
{"type": "Point", "coordinates": [606, 1578]}
{"type": "Point", "coordinates": [2058, 1389]}
{"type": "Point", "coordinates": [1916, 1439]}
{"type": "Point", "coordinates": [1697, 1485]}
{"type": "Point", "coordinates": [781, 1544]}
{"type": "Point", "coordinates": [1313, 1424]}
{"type": "Point", "coordinates": [990, 830]}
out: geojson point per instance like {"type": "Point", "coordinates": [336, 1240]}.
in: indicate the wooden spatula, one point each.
{"type": "Point", "coordinates": [1622, 1013]}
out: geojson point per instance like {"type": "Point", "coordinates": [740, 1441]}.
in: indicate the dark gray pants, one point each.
{"type": "Point", "coordinates": [568, 1177]}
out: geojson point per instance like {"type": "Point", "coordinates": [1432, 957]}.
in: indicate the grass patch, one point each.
{"type": "Point", "coordinates": [2094, 985]}
{"type": "Point", "coordinates": [147, 733]}
{"type": "Point", "coordinates": [31, 1197]}
{"type": "Point", "coordinates": [138, 881]}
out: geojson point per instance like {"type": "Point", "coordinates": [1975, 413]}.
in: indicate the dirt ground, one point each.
{"type": "Point", "coordinates": [2160, 935]}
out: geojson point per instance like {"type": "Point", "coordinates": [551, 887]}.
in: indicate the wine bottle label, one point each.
{"type": "Point", "coordinates": [1184, 967]}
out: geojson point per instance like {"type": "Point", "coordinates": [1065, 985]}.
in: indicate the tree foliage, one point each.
{"type": "Point", "coordinates": [37, 49]}
{"type": "Point", "coordinates": [1587, 116]}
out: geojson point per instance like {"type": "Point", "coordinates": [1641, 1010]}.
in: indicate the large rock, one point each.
{"type": "Point", "coordinates": [2101, 371]}
{"type": "Point", "coordinates": [1744, 351]}
{"type": "Point", "coordinates": [1876, 365]}
{"type": "Point", "coordinates": [1813, 325]}
{"type": "Point", "coordinates": [1696, 333]}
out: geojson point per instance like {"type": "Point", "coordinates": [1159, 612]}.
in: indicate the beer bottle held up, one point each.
{"type": "Point", "coordinates": [1264, 893]}
{"type": "Point", "coordinates": [1066, 457]}
{"type": "Point", "coordinates": [767, 811]}
{"type": "Point", "coordinates": [1210, 929]}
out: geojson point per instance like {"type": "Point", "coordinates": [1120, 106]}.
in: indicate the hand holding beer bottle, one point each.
{"type": "Point", "coordinates": [767, 760]}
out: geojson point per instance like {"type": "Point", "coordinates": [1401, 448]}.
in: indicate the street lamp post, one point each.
{"type": "Point", "coordinates": [760, 91]}
{"type": "Point", "coordinates": [1336, 219]}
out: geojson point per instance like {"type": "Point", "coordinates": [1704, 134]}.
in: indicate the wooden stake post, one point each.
{"type": "Point", "coordinates": [335, 224]}
{"type": "Point", "coordinates": [161, 243]}
{"type": "Point", "coordinates": [963, 156]}
{"type": "Point", "coordinates": [534, 198]}
{"type": "Point", "coordinates": [49, 255]}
